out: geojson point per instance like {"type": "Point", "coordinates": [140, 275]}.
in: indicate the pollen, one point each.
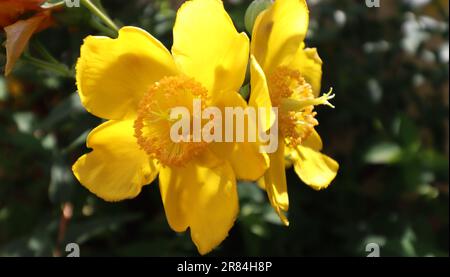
{"type": "Point", "coordinates": [153, 123]}
{"type": "Point", "coordinates": [295, 99]}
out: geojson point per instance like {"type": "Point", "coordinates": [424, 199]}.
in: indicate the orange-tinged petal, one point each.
{"type": "Point", "coordinates": [278, 33]}
{"type": "Point", "coordinates": [208, 48]}
{"type": "Point", "coordinates": [113, 74]}
{"type": "Point", "coordinates": [201, 195]}
{"type": "Point", "coordinates": [117, 168]}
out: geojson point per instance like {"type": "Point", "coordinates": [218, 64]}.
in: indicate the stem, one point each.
{"type": "Point", "coordinates": [44, 52]}
{"type": "Point", "coordinates": [54, 5]}
{"type": "Point", "coordinates": [56, 68]}
{"type": "Point", "coordinates": [66, 215]}
{"type": "Point", "coordinates": [96, 24]}
{"type": "Point", "coordinates": [77, 142]}
{"type": "Point", "coordinates": [95, 10]}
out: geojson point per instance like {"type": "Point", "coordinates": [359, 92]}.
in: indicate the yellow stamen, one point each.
{"type": "Point", "coordinates": [152, 125]}
{"type": "Point", "coordinates": [295, 99]}
{"type": "Point", "coordinates": [289, 104]}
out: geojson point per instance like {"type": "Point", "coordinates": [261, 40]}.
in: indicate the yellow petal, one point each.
{"type": "Point", "coordinates": [314, 168]}
{"type": "Point", "coordinates": [208, 48]}
{"type": "Point", "coordinates": [259, 95]}
{"type": "Point", "coordinates": [261, 183]}
{"type": "Point", "coordinates": [117, 168]}
{"type": "Point", "coordinates": [275, 183]}
{"type": "Point", "coordinates": [245, 157]}
{"type": "Point", "coordinates": [290, 155]}
{"type": "Point", "coordinates": [201, 195]}
{"type": "Point", "coordinates": [308, 62]}
{"type": "Point", "coordinates": [248, 164]}
{"type": "Point", "coordinates": [313, 141]}
{"type": "Point", "coordinates": [113, 74]}
{"type": "Point", "coordinates": [278, 33]}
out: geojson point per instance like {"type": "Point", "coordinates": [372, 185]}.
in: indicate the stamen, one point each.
{"type": "Point", "coordinates": [152, 125]}
{"type": "Point", "coordinates": [295, 99]}
{"type": "Point", "coordinates": [289, 104]}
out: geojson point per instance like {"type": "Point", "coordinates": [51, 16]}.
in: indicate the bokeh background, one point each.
{"type": "Point", "coordinates": [389, 67]}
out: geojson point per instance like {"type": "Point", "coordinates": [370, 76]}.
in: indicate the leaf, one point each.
{"type": "Point", "coordinates": [3, 93]}
{"type": "Point", "coordinates": [407, 132]}
{"type": "Point", "coordinates": [10, 10]}
{"type": "Point", "coordinates": [18, 35]}
{"type": "Point", "coordinates": [39, 242]}
{"type": "Point", "coordinates": [24, 121]}
{"type": "Point", "coordinates": [81, 232]}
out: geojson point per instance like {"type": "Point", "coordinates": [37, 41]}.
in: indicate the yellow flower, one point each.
{"type": "Point", "coordinates": [133, 81]}
{"type": "Point", "coordinates": [286, 75]}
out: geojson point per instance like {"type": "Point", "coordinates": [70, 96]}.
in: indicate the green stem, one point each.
{"type": "Point", "coordinates": [56, 68]}
{"type": "Point", "coordinates": [96, 24]}
{"type": "Point", "coordinates": [55, 5]}
{"type": "Point", "coordinates": [95, 10]}
{"type": "Point", "coordinates": [44, 52]}
{"type": "Point", "coordinates": [76, 143]}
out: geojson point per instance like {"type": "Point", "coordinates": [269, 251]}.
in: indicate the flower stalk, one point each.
{"type": "Point", "coordinates": [103, 16]}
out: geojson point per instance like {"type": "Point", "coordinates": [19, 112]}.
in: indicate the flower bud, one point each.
{"type": "Point", "coordinates": [253, 10]}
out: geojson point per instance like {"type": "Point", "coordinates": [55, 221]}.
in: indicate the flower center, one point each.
{"type": "Point", "coordinates": [153, 123]}
{"type": "Point", "coordinates": [295, 99]}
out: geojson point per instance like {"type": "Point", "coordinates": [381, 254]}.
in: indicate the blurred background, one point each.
{"type": "Point", "coordinates": [389, 68]}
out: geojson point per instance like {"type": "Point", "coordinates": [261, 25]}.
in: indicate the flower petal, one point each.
{"type": "Point", "coordinates": [247, 162]}
{"type": "Point", "coordinates": [314, 141]}
{"type": "Point", "coordinates": [275, 183]}
{"type": "Point", "coordinates": [314, 168]}
{"type": "Point", "coordinates": [208, 48]}
{"type": "Point", "coordinates": [245, 157]}
{"type": "Point", "coordinates": [278, 33]}
{"type": "Point", "coordinates": [308, 62]}
{"type": "Point", "coordinates": [117, 168]}
{"type": "Point", "coordinates": [113, 74]}
{"type": "Point", "coordinates": [260, 96]}
{"type": "Point", "coordinates": [201, 195]}
{"type": "Point", "coordinates": [261, 183]}
{"type": "Point", "coordinates": [290, 155]}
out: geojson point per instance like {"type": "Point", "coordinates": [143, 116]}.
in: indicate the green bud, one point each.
{"type": "Point", "coordinates": [245, 91]}
{"type": "Point", "coordinates": [253, 10]}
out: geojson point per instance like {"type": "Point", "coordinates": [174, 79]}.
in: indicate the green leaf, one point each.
{"type": "Point", "coordinates": [81, 232]}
